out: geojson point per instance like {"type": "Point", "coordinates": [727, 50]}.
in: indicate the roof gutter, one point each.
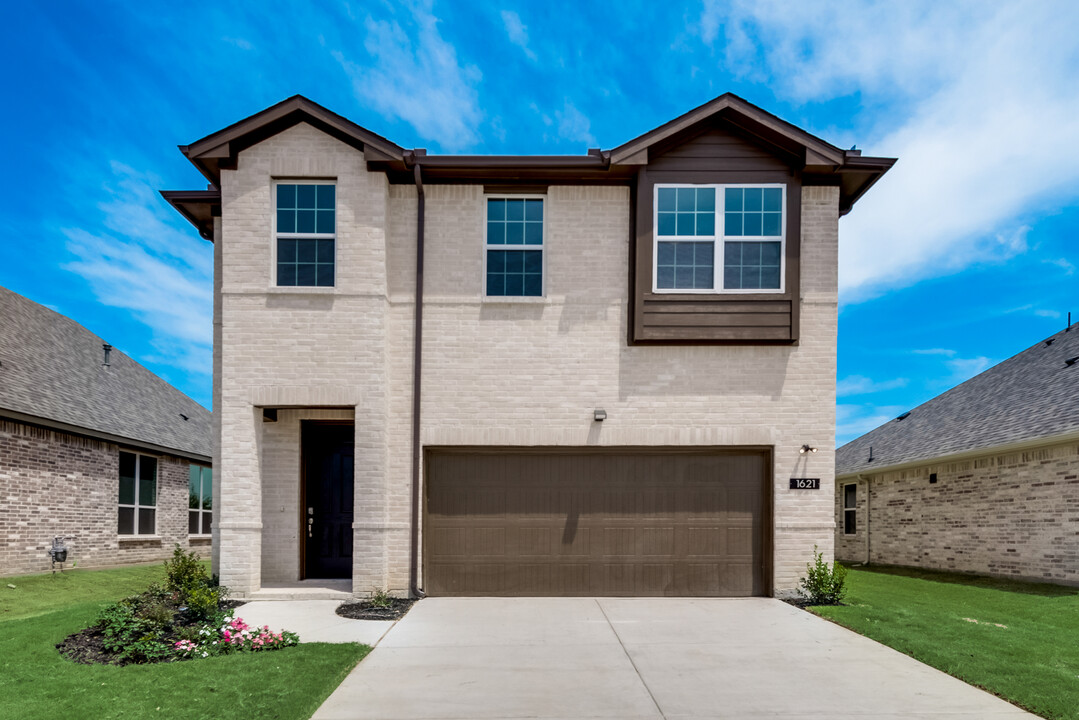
{"type": "Point", "coordinates": [417, 357]}
{"type": "Point", "coordinates": [104, 436]}
{"type": "Point", "coordinates": [1070, 436]}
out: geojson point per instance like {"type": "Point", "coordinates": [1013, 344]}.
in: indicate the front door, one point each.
{"type": "Point", "coordinates": [327, 479]}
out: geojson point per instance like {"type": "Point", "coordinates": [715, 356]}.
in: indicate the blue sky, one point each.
{"type": "Point", "coordinates": [963, 255]}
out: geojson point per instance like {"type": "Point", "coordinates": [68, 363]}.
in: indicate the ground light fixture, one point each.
{"type": "Point", "coordinates": [806, 449]}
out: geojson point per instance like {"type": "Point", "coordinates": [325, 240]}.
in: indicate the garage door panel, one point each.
{"type": "Point", "coordinates": [594, 523]}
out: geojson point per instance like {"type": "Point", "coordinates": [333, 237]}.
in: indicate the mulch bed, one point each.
{"type": "Point", "coordinates": [802, 603]}
{"type": "Point", "coordinates": [365, 611]}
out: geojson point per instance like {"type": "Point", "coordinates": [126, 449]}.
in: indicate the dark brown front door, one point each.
{"type": "Point", "coordinates": [328, 456]}
{"type": "Point", "coordinates": [581, 522]}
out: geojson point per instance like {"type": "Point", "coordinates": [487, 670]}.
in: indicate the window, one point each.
{"type": "Point", "coordinates": [306, 231]}
{"type": "Point", "coordinates": [514, 246]}
{"type": "Point", "coordinates": [719, 238]}
{"type": "Point", "coordinates": [850, 502]}
{"type": "Point", "coordinates": [199, 500]}
{"type": "Point", "coordinates": [138, 494]}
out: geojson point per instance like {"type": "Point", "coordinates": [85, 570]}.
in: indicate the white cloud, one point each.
{"type": "Point", "coordinates": [573, 125]}
{"type": "Point", "coordinates": [239, 42]}
{"type": "Point", "coordinates": [1047, 313]}
{"type": "Point", "coordinates": [1063, 264]}
{"type": "Point", "coordinates": [861, 385]}
{"type": "Point", "coordinates": [964, 369]}
{"type": "Point", "coordinates": [935, 351]}
{"type": "Point", "coordinates": [518, 32]}
{"type": "Point", "coordinates": [976, 100]}
{"type": "Point", "coordinates": [145, 265]}
{"type": "Point", "coordinates": [415, 76]}
{"type": "Point", "coordinates": [854, 420]}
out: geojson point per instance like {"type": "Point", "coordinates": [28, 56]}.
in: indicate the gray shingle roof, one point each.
{"type": "Point", "coordinates": [1029, 396]}
{"type": "Point", "coordinates": [51, 368]}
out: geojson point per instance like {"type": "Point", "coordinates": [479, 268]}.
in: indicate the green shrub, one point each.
{"type": "Point", "coordinates": [134, 629]}
{"type": "Point", "coordinates": [186, 576]}
{"type": "Point", "coordinates": [380, 599]}
{"type": "Point", "coordinates": [823, 583]}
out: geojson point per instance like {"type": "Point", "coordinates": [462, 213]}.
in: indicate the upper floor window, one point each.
{"type": "Point", "coordinates": [719, 238]}
{"type": "Point", "coordinates": [199, 500]}
{"type": "Point", "coordinates": [306, 229]}
{"type": "Point", "coordinates": [138, 494]}
{"type": "Point", "coordinates": [513, 253]}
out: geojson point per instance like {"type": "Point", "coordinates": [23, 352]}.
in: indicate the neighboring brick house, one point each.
{"type": "Point", "coordinates": [95, 447]}
{"type": "Point", "coordinates": [602, 409]}
{"type": "Point", "coordinates": [981, 479]}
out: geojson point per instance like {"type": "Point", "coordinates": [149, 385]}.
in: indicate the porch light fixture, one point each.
{"type": "Point", "coordinates": [806, 449]}
{"type": "Point", "coordinates": [599, 415]}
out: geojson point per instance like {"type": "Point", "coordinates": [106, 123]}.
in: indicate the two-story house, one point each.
{"type": "Point", "coordinates": [526, 375]}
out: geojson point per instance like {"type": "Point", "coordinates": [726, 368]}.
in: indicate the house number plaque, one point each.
{"type": "Point", "coordinates": [805, 483]}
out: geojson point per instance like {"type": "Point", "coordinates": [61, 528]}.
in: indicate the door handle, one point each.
{"type": "Point", "coordinates": [310, 521]}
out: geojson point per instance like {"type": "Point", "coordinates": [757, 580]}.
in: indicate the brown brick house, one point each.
{"type": "Point", "coordinates": [523, 375]}
{"type": "Point", "coordinates": [983, 478]}
{"type": "Point", "coordinates": [95, 447]}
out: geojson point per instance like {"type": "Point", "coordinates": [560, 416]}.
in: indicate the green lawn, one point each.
{"type": "Point", "coordinates": [36, 682]}
{"type": "Point", "coordinates": [1023, 647]}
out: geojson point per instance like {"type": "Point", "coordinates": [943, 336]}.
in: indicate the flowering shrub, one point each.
{"type": "Point", "coordinates": [233, 635]}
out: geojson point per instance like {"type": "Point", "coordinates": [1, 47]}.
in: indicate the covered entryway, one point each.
{"type": "Point", "coordinates": [582, 522]}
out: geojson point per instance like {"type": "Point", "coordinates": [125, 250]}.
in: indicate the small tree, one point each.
{"type": "Point", "coordinates": [823, 583]}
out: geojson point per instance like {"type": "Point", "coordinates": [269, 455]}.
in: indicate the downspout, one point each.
{"type": "Point", "coordinates": [868, 534]}
{"type": "Point", "coordinates": [417, 357]}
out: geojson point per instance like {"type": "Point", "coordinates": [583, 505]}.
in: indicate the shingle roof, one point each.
{"type": "Point", "coordinates": [1032, 395]}
{"type": "Point", "coordinates": [51, 368]}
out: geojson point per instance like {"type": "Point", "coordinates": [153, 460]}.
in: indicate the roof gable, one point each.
{"type": "Point", "coordinates": [52, 373]}
{"type": "Point", "coordinates": [745, 116]}
{"type": "Point", "coordinates": [1029, 397]}
{"type": "Point", "coordinates": [220, 150]}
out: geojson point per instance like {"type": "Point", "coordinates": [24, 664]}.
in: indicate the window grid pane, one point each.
{"type": "Point", "coordinates": [753, 212]}
{"type": "Point", "coordinates": [686, 212]}
{"type": "Point", "coordinates": [514, 273]}
{"type": "Point", "coordinates": [751, 265]}
{"type": "Point", "coordinates": [685, 266]}
{"type": "Point", "coordinates": [514, 221]}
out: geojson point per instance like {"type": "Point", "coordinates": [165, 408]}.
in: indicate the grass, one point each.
{"type": "Point", "coordinates": [1024, 646]}
{"type": "Point", "coordinates": [36, 682]}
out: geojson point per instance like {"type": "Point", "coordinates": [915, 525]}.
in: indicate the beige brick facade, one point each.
{"type": "Point", "coordinates": [525, 372]}
{"type": "Point", "coordinates": [1010, 514]}
{"type": "Point", "coordinates": [54, 483]}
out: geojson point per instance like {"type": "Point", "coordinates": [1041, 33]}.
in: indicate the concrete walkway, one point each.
{"type": "Point", "coordinates": [313, 620]}
{"type": "Point", "coordinates": [641, 658]}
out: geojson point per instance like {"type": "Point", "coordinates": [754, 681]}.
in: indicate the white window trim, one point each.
{"type": "Point", "coordinates": [274, 236]}
{"type": "Point", "coordinates": [718, 240]}
{"type": "Point", "coordinates": [200, 510]}
{"type": "Point", "coordinates": [850, 509]}
{"type": "Point", "coordinates": [137, 506]}
{"type": "Point", "coordinates": [542, 247]}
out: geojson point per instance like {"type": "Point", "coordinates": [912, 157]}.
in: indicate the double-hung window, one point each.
{"type": "Point", "coordinates": [138, 494]}
{"type": "Point", "coordinates": [719, 238]}
{"type": "Point", "coordinates": [850, 511]}
{"type": "Point", "coordinates": [306, 232]}
{"type": "Point", "coordinates": [513, 246]}
{"type": "Point", "coordinates": [199, 500]}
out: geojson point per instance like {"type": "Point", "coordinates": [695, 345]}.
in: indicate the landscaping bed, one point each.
{"type": "Point", "coordinates": [36, 681]}
{"type": "Point", "coordinates": [380, 608]}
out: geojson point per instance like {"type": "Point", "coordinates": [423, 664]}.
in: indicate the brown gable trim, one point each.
{"type": "Point", "coordinates": [740, 112]}
{"type": "Point", "coordinates": [220, 149]}
{"type": "Point", "coordinates": [199, 207]}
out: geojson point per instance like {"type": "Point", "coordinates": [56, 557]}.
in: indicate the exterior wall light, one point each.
{"type": "Point", "coordinates": [806, 449]}
{"type": "Point", "coordinates": [599, 415]}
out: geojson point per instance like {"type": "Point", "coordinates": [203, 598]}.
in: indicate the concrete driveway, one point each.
{"type": "Point", "coordinates": [641, 658]}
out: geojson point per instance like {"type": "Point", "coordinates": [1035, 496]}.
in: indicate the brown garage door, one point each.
{"type": "Point", "coordinates": [515, 522]}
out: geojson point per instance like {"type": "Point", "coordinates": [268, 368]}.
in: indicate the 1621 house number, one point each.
{"type": "Point", "coordinates": [805, 483]}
